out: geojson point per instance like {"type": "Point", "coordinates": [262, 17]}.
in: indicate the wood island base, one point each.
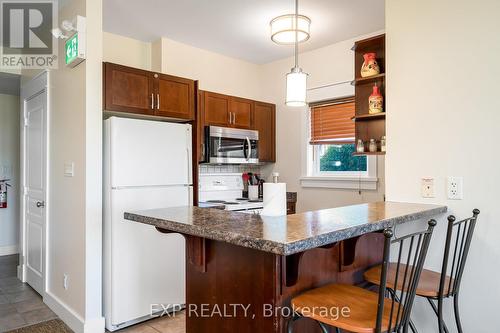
{"type": "Point", "coordinates": [232, 289]}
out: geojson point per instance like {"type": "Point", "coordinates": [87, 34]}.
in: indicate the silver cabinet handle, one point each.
{"type": "Point", "coordinates": [40, 204]}
{"type": "Point", "coordinates": [234, 118]}
{"type": "Point", "coordinates": [230, 118]}
{"type": "Point", "coordinates": [158, 101]}
{"type": "Point", "coordinates": [152, 101]}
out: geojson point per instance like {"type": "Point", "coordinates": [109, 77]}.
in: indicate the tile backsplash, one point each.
{"type": "Point", "coordinates": [229, 168]}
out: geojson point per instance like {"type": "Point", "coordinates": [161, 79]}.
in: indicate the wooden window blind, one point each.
{"type": "Point", "coordinates": [331, 122]}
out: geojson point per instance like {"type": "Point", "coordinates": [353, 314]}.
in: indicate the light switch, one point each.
{"type": "Point", "coordinates": [69, 169]}
{"type": "Point", "coordinates": [428, 187]}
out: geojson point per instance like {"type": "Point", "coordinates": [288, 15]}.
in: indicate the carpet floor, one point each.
{"type": "Point", "coordinates": [51, 326]}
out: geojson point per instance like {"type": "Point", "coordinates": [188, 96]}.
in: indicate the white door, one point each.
{"type": "Point", "coordinates": [34, 179]}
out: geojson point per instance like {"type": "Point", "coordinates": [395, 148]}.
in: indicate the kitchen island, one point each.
{"type": "Point", "coordinates": [242, 270]}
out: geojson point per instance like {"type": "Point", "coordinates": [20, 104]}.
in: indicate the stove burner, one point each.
{"type": "Point", "coordinates": [256, 200]}
{"type": "Point", "coordinates": [241, 199]}
{"type": "Point", "coordinates": [231, 203]}
{"type": "Point", "coordinates": [216, 201]}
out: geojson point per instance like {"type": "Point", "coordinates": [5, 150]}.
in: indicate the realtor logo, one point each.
{"type": "Point", "coordinates": [26, 34]}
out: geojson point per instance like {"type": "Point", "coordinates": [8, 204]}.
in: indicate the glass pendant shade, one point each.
{"type": "Point", "coordinates": [296, 87]}
{"type": "Point", "coordinates": [283, 29]}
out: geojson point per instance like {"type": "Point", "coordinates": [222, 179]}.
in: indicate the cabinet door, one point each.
{"type": "Point", "coordinates": [265, 123]}
{"type": "Point", "coordinates": [174, 97]}
{"type": "Point", "coordinates": [216, 109]}
{"type": "Point", "coordinates": [241, 112]}
{"type": "Point", "coordinates": [127, 89]}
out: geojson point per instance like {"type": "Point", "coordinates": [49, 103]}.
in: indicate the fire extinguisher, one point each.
{"type": "Point", "coordinates": [3, 192]}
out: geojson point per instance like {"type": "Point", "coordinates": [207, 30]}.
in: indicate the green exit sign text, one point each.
{"type": "Point", "coordinates": [75, 50]}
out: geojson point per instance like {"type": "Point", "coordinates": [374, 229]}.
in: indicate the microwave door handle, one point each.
{"type": "Point", "coordinates": [249, 154]}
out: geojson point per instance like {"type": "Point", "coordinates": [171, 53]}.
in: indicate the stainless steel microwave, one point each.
{"type": "Point", "coordinates": [224, 145]}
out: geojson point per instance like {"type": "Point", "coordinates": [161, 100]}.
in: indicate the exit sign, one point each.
{"type": "Point", "coordinates": [75, 50]}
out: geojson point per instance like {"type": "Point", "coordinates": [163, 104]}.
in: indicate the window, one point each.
{"type": "Point", "coordinates": [337, 158]}
{"type": "Point", "coordinates": [331, 162]}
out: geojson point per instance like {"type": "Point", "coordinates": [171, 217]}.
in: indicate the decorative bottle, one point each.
{"type": "Point", "coordinates": [370, 66]}
{"type": "Point", "coordinates": [360, 147]}
{"type": "Point", "coordinates": [372, 146]}
{"type": "Point", "coordinates": [375, 101]}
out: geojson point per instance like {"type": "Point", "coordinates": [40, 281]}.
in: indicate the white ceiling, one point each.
{"type": "Point", "coordinates": [240, 28]}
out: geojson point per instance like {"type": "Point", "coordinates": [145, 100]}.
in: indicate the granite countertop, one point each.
{"type": "Point", "coordinates": [285, 235]}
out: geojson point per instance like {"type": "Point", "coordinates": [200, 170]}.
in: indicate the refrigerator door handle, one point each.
{"type": "Point", "coordinates": [190, 166]}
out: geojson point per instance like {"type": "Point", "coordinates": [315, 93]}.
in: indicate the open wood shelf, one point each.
{"type": "Point", "coordinates": [369, 79]}
{"type": "Point", "coordinates": [369, 153]}
{"type": "Point", "coordinates": [368, 126]}
{"type": "Point", "coordinates": [369, 116]}
{"type": "Point", "coordinates": [369, 43]}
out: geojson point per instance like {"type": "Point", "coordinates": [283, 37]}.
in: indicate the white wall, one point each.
{"type": "Point", "coordinates": [75, 203]}
{"type": "Point", "coordinates": [9, 168]}
{"type": "Point", "coordinates": [443, 120]}
{"type": "Point", "coordinates": [327, 65]}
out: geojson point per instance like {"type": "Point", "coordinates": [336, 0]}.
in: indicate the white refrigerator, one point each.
{"type": "Point", "coordinates": [147, 165]}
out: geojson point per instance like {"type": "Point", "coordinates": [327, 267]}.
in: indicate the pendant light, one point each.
{"type": "Point", "coordinates": [296, 80]}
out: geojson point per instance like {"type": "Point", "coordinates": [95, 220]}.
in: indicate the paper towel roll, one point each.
{"type": "Point", "coordinates": [274, 199]}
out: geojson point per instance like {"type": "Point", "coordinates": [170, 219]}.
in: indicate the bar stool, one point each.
{"type": "Point", "coordinates": [370, 312]}
{"type": "Point", "coordinates": [436, 286]}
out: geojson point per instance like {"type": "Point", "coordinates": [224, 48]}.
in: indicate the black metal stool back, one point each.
{"type": "Point", "coordinates": [460, 233]}
{"type": "Point", "coordinates": [411, 253]}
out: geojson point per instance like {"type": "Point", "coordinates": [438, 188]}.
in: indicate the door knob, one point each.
{"type": "Point", "coordinates": [40, 204]}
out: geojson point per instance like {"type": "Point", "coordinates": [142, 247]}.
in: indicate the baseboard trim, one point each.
{"type": "Point", "coordinates": [71, 318]}
{"type": "Point", "coordinates": [9, 250]}
{"type": "Point", "coordinates": [65, 312]}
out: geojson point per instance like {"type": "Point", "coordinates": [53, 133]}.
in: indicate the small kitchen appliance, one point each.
{"type": "Point", "coordinates": [225, 145]}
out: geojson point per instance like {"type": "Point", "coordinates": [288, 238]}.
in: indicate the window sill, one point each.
{"type": "Point", "coordinates": [340, 182]}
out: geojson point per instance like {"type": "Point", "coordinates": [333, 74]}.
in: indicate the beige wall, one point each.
{"type": "Point", "coordinates": [331, 64]}
{"type": "Point", "coordinates": [214, 71]}
{"type": "Point", "coordinates": [9, 168]}
{"type": "Point", "coordinates": [126, 51]}
{"type": "Point", "coordinates": [443, 120]}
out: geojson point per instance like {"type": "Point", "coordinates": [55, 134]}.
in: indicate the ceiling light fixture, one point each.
{"type": "Point", "coordinates": [285, 27]}
{"type": "Point", "coordinates": [296, 80]}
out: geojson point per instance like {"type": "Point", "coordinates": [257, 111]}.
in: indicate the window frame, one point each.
{"type": "Point", "coordinates": [356, 180]}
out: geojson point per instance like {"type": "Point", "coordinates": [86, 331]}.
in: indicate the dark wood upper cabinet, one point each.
{"type": "Point", "coordinates": [241, 111]}
{"type": "Point", "coordinates": [128, 89]}
{"type": "Point", "coordinates": [138, 91]}
{"type": "Point", "coordinates": [215, 109]}
{"type": "Point", "coordinates": [174, 97]}
{"type": "Point", "coordinates": [265, 123]}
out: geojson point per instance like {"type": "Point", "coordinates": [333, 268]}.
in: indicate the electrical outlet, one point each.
{"type": "Point", "coordinates": [428, 188]}
{"type": "Point", "coordinates": [65, 281]}
{"type": "Point", "coordinates": [455, 188]}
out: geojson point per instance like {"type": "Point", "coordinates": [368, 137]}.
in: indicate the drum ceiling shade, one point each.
{"type": "Point", "coordinates": [283, 29]}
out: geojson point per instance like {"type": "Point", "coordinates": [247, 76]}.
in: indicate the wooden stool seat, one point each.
{"type": "Point", "coordinates": [428, 286]}
{"type": "Point", "coordinates": [361, 303]}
